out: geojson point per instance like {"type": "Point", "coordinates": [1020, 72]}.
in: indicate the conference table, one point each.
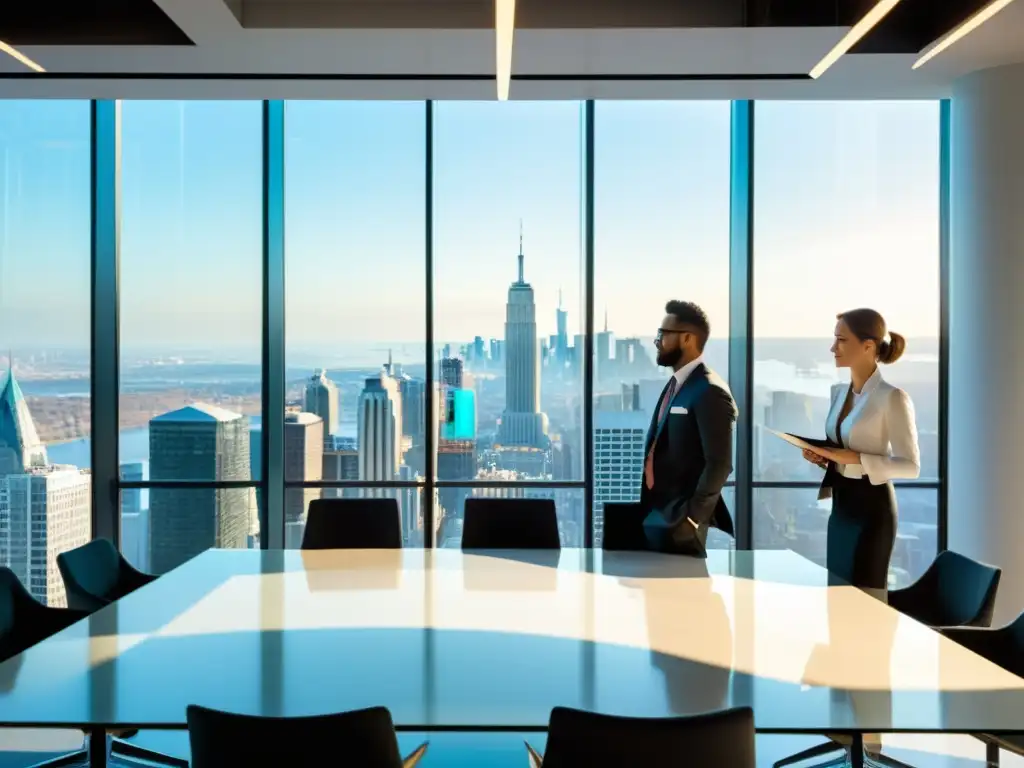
{"type": "Point", "coordinates": [490, 641]}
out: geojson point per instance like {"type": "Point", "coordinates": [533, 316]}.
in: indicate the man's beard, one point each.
{"type": "Point", "coordinates": [669, 359]}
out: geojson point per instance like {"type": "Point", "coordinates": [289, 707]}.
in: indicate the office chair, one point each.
{"type": "Point", "coordinates": [353, 524]}
{"type": "Point", "coordinates": [96, 574]}
{"type": "Point", "coordinates": [510, 524]}
{"type": "Point", "coordinates": [24, 621]}
{"type": "Point", "coordinates": [955, 591]}
{"type": "Point", "coordinates": [578, 739]}
{"type": "Point", "coordinates": [624, 527]}
{"type": "Point", "coordinates": [364, 737]}
{"type": "Point", "coordinates": [1003, 646]}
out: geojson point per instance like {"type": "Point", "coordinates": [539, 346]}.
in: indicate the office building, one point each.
{"type": "Point", "coordinates": [413, 391]}
{"type": "Point", "coordinates": [134, 519]}
{"type": "Point", "coordinates": [451, 372]}
{"type": "Point", "coordinates": [303, 460]}
{"type": "Point", "coordinates": [380, 428]}
{"type": "Point", "coordinates": [322, 398]}
{"type": "Point", "coordinates": [619, 441]}
{"type": "Point", "coordinates": [522, 423]}
{"type": "Point", "coordinates": [198, 442]}
{"type": "Point", "coordinates": [20, 446]}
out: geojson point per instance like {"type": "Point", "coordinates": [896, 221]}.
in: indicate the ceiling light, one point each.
{"type": "Point", "coordinates": [14, 53]}
{"type": "Point", "coordinates": [963, 30]}
{"type": "Point", "coordinates": [504, 26]}
{"type": "Point", "coordinates": [850, 39]}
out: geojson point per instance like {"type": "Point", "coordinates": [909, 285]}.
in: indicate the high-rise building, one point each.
{"type": "Point", "coordinates": [619, 438]}
{"type": "Point", "coordinates": [323, 399]}
{"type": "Point", "coordinates": [561, 331]}
{"type": "Point", "coordinates": [134, 519]}
{"type": "Point", "coordinates": [456, 460]}
{"type": "Point", "coordinates": [20, 447]}
{"type": "Point", "coordinates": [603, 341]}
{"type": "Point", "coordinates": [341, 462]}
{"type": "Point", "coordinates": [451, 372]}
{"type": "Point", "coordinates": [198, 442]}
{"type": "Point", "coordinates": [44, 511]}
{"type": "Point", "coordinates": [303, 460]}
{"type": "Point", "coordinates": [413, 391]}
{"type": "Point", "coordinates": [522, 423]}
{"type": "Point", "coordinates": [380, 428]}
{"type": "Point", "coordinates": [497, 351]}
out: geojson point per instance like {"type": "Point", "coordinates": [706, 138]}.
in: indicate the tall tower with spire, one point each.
{"type": "Point", "coordinates": [20, 447]}
{"type": "Point", "coordinates": [603, 350]}
{"type": "Point", "coordinates": [562, 332]}
{"type": "Point", "coordinates": [522, 423]}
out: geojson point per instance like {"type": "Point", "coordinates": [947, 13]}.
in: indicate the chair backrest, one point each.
{"type": "Point", "coordinates": [624, 527]}
{"type": "Point", "coordinates": [91, 574]}
{"type": "Point", "coordinates": [713, 740]}
{"type": "Point", "coordinates": [965, 591]}
{"type": "Point", "coordinates": [510, 524]}
{"type": "Point", "coordinates": [364, 738]}
{"type": "Point", "coordinates": [24, 621]}
{"type": "Point", "coordinates": [353, 524]}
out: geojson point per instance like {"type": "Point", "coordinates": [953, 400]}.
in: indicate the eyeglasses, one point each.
{"type": "Point", "coordinates": [663, 332]}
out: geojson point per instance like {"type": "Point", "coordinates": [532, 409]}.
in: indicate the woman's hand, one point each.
{"type": "Point", "coordinates": [815, 459]}
{"type": "Point", "coordinates": [841, 455]}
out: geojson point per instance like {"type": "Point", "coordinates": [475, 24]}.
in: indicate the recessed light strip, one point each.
{"type": "Point", "coordinates": [504, 27]}
{"type": "Point", "coordinates": [14, 53]}
{"type": "Point", "coordinates": [850, 39]}
{"type": "Point", "coordinates": [963, 30]}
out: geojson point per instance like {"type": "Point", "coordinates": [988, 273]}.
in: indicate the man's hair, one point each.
{"type": "Point", "coordinates": [689, 314]}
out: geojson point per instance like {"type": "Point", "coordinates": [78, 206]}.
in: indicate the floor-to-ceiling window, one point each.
{"type": "Point", "coordinates": [190, 327]}
{"type": "Point", "coordinates": [661, 230]}
{"type": "Point", "coordinates": [45, 485]}
{"type": "Point", "coordinates": [508, 306]}
{"type": "Point", "coordinates": [846, 202]}
{"type": "Point", "coordinates": [355, 188]}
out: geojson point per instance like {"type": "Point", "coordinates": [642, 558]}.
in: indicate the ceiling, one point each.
{"type": "Point", "coordinates": [445, 48]}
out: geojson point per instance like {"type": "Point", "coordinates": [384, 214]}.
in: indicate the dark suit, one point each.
{"type": "Point", "coordinates": [692, 461]}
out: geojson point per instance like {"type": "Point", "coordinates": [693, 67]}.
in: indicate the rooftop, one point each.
{"type": "Point", "coordinates": [197, 412]}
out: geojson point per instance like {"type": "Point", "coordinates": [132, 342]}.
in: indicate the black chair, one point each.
{"type": "Point", "coordinates": [96, 574]}
{"type": "Point", "coordinates": [353, 524]}
{"type": "Point", "coordinates": [579, 739]}
{"type": "Point", "coordinates": [365, 738]}
{"type": "Point", "coordinates": [955, 591]}
{"type": "Point", "coordinates": [624, 527]}
{"type": "Point", "coordinates": [510, 524]}
{"type": "Point", "coordinates": [1003, 646]}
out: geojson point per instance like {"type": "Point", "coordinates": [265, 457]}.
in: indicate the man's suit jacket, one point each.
{"type": "Point", "coordinates": [692, 461]}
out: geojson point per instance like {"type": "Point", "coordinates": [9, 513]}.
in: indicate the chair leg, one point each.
{"type": "Point", "coordinates": [886, 761]}
{"type": "Point", "coordinates": [81, 757]}
{"type": "Point", "coordinates": [991, 754]}
{"type": "Point", "coordinates": [817, 751]}
{"type": "Point", "coordinates": [128, 749]}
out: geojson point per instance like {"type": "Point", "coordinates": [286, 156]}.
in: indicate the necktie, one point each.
{"type": "Point", "coordinates": [665, 401]}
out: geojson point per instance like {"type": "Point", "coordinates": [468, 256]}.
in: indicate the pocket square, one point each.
{"type": "Point", "coordinates": [677, 409]}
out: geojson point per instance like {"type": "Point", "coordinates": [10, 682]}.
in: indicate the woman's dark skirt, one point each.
{"type": "Point", "coordinates": [861, 532]}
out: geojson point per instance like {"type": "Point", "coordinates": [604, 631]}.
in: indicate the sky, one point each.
{"type": "Point", "coordinates": [846, 214]}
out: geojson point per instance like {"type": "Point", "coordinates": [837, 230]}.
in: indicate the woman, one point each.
{"type": "Point", "coordinates": [873, 422]}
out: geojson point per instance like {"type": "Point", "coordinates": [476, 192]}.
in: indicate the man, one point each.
{"type": "Point", "coordinates": [689, 443]}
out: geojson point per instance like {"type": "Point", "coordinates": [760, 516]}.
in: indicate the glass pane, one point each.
{"type": "Point", "coordinates": [45, 488]}
{"type": "Point", "coordinates": [508, 288]}
{"type": "Point", "coordinates": [661, 189]}
{"type": "Point", "coordinates": [355, 190]}
{"type": "Point", "coordinates": [450, 503]}
{"type": "Point", "coordinates": [847, 198]}
{"type": "Point", "coordinates": [191, 315]}
{"type": "Point", "coordinates": [793, 518]}
{"type": "Point", "coordinates": [410, 509]}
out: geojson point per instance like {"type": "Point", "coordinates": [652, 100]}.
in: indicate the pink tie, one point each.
{"type": "Point", "coordinates": [665, 402]}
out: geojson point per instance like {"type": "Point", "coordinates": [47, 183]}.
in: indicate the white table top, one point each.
{"type": "Point", "coordinates": [447, 639]}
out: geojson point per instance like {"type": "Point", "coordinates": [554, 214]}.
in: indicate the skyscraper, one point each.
{"type": "Point", "coordinates": [134, 519]}
{"type": "Point", "coordinates": [44, 509]}
{"type": "Point", "coordinates": [380, 428]}
{"type": "Point", "coordinates": [198, 442]}
{"type": "Point", "coordinates": [341, 462]}
{"type": "Point", "coordinates": [619, 438]}
{"type": "Point", "coordinates": [603, 350]}
{"type": "Point", "coordinates": [522, 423]}
{"type": "Point", "coordinates": [303, 460]}
{"type": "Point", "coordinates": [451, 372]}
{"type": "Point", "coordinates": [413, 406]}
{"type": "Point", "coordinates": [322, 398]}
{"type": "Point", "coordinates": [562, 332]}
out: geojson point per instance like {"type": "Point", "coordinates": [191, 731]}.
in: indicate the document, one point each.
{"type": "Point", "coordinates": [806, 443]}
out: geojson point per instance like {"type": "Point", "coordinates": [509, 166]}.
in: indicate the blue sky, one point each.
{"type": "Point", "coordinates": [846, 214]}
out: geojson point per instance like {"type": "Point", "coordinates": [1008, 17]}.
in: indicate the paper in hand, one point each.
{"type": "Point", "coordinates": [806, 443]}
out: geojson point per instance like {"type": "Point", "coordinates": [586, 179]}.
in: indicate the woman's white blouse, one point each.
{"type": "Point", "coordinates": [881, 428]}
